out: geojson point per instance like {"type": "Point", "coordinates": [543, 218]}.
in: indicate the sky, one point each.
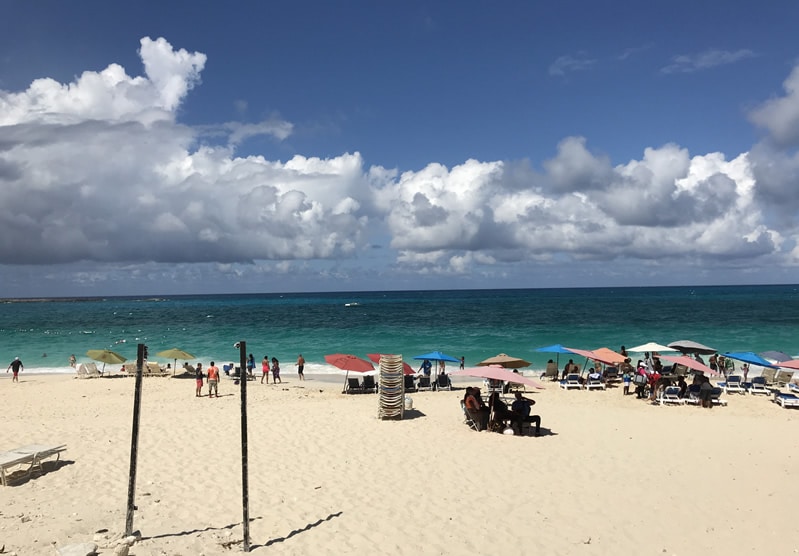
{"type": "Point", "coordinates": [300, 146]}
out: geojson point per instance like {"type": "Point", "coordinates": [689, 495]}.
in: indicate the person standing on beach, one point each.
{"type": "Point", "coordinates": [250, 365]}
{"type": "Point", "coordinates": [15, 367]}
{"type": "Point", "coordinates": [265, 369]}
{"type": "Point", "coordinates": [300, 366]}
{"type": "Point", "coordinates": [463, 361]}
{"type": "Point", "coordinates": [72, 361]}
{"type": "Point", "coordinates": [213, 381]}
{"type": "Point", "coordinates": [276, 371]}
{"type": "Point", "coordinates": [198, 377]}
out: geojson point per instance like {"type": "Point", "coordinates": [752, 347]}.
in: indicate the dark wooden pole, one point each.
{"type": "Point", "coordinates": [245, 498]}
{"type": "Point", "coordinates": [134, 440]}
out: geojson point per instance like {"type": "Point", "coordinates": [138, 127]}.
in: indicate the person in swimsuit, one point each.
{"type": "Point", "coordinates": [276, 371]}
{"type": "Point", "coordinates": [265, 369]}
{"type": "Point", "coordinates": [300, 366]}
{"type": "Point", "coordinates": [213, 381]}
{"type": "Point", "coordinates": [15, 367]}
{"type": "Point", "coordinates": [198, 377]}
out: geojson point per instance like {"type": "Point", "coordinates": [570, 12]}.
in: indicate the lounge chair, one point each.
{"type": "Point", "coordinates": [443, 383]}
{"type": "Point", "coordinates": [353, 386]}
{"type": "Point", "coordinates": [786, 400]}
{"type": "Point", "coordinates": [692, 394]}
{"type": "Point", "coordinates": [769, 373]}
{"type": "Point", "coordinates": [424, 383]}
{"type": "Point", "coordinates": [734, 383]}
{"type": "Point", "coordinates": [572, 380]}
{"type": "Point", "coordinates": [153, 369]}
{"type": "Point", "coordinates": [551, 372]}
{"type": "Point", "coordinates": [468, 418]}
{"type": "Point", "coordinates": [27, 458]}
{"type": "Point", "coordinates": [369, 385]}
{"type": "Point", "coordinates": [492, 386]}
{"type": "Point", "coordinates": [671, 394]}
{"type": "Point", "coordinates": [758, 386]}
{"type": "Point", "coordinates": [594, 383]}
{"type": "Point", "coordinates": [410, 384]}
{"type": "Point", "coordinates": [793, 387]}
{"type": "Point", "coordinates": [715, 397]}
{"type": "Point", "coordinates": [783, 378]}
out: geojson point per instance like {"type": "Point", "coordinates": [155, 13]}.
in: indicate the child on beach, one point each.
{"type": "Point", "coordinates": [627, 378]}
{"type": "Point", "coordinates": [250, 365]}
{"type": "Point", "coordinates": [198, 376]}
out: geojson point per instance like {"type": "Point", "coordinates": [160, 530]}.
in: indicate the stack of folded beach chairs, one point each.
{"type": "Point", "coordinates": [392, 388]}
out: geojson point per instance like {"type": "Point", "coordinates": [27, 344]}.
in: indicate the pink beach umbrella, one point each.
{"type": "Point", "coordinates": [495, 372]}
{"type": "Point", "coordinates": [689, 362]}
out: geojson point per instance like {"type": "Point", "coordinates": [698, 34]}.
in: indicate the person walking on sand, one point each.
{"type": "Point", "coordinates": [15, 367]}
{"type": "Point", "coordinates": [276, 371]}
{"type": "Point", "coordinates": [300, 366]}
{"type": "Point", "coordinates": [213, 381]}
{"type": "Point", "coordinates": [265, 369]}
{"type": "Point", "coordinates": [198, 377]}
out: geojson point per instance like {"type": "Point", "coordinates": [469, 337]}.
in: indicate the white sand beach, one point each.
{"type": "Point", "coordinates": [610, 474]}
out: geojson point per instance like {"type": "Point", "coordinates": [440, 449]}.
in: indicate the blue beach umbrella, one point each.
{"type": "Point", "coordinates": [748, 357]}
{"type": "Point", "coordinates": [438, 356]}
{"type": "Point", "coordinates": [554, 348]}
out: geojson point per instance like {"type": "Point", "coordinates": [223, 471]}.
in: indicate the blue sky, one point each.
{"type": "Point", "coordinates": [317, 146]}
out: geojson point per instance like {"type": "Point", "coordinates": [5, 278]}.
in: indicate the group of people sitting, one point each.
{"type": "Point", "coordinates": [496, 415]}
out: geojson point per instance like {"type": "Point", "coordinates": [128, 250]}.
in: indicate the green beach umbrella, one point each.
{"type": "Point", "coordinates": [105, 356]}
{"type": "Point", "coordinates": [175, 354]}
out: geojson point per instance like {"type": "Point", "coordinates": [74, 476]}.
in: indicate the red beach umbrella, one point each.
{"type": "Point", "coordinates": [348, 362]}
{"type": "Point", "coordinates": [689, 362]}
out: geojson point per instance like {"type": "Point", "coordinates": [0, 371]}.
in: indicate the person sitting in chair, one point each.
{"type": "Point", "coordinates": [522, 406]}
{"type": "Point", "coordinates": [475, 407]}
{"type": "Point", "coordinates": [502, 413]}
{"type": "Point", "coordinates": [443, 380]}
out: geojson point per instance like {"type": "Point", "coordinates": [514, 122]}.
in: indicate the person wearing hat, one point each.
{"type": "Point", "coordinates": [15, 367]}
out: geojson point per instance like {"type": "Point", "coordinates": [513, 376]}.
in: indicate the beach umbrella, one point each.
{"type": "Point", "coordinates": [406, 369]}
{"type": "Point", "coordinates": [748, 357]}
{"type": "Point", "coordinates": [792, 364]}
{"type": "Point", "coordinates": [105, 356]}
{"type": "Point", "coordinates": [603, 355]}
{"type": "Point", "coordinates": [175, 354]}
{"type": "Point", "coordinates": [776, 356]}
{"type": "Point", "coordinates": [347, 362]}
{"type": "Point", "coordinates": [557, 349]}
{"type": "Point", "coordinates": [504, 360]}
{"type": "Point", "coordinates": [438, 356]}
{"type": "Point", "coordinates": [689, 362]}
{"type": "Point", "coordinates": [650, 347]}
{"type": "Point", "coordinates": [687, 346]}
{"type": "Point", "coordinates": [495, 372]}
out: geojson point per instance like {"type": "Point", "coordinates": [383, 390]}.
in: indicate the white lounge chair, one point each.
{"type": "Point", "coordinates": [27, 459]}
{"type": "Point", "coordinates": [594, 383]}
{"type": "Point", "coordinates": [671, 394]}
{"type": "Point", "coordinates": [734, 383]}
{"type": "Point", "coordinates": [786, 400]}
{"type": "Point", "coordinates": [783, 378]}
{"type": "Point", "coordinates": [793, 387]}
{"type": "Point", "coordinates": [572, 380]}
{"type": "Point", "coordinates": [758, 386]}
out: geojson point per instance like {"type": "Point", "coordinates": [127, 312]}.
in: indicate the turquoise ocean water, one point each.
{"type": "Point", "coordinates": [474, 323]}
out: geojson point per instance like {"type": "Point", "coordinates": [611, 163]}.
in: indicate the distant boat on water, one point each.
{"type": "Point", "coordinates": [353, 304]}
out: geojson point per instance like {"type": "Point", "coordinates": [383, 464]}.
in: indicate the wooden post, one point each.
{"type": "Point", "coordinates": [134, 440]}
{"type": "Point", "coordinates": [245, 499]}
